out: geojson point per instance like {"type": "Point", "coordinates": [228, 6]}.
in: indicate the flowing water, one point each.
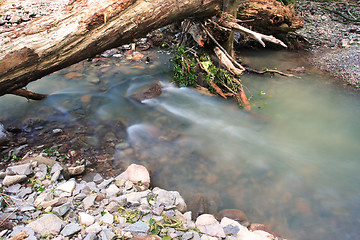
{"type": "Point", "coordinates": [292, 163]}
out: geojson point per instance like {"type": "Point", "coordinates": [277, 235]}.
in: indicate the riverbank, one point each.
{"type": "Point", "coordinates": [333, 32]}
{"type": "Point", "coordinates": [38, 200]}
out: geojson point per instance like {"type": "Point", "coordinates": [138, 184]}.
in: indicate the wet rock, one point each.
{"type": "Point", "coordinates": [136, 174]}
{"type": "Point", "coordinates": [47, 224]}
{"type": "Point", "coordinates": [4, 135]}
{"type": "Point", "coordinates": [86, 219]}
{"type": "Point", "coordinates": [70, 229]}
{"type": "Point", "coordinates": [207, 224]}
{"type": "Point", "coordinates": [151, 91]}
{"type": "Point", "coordinates": [257, 226]}
{"type": "Point", "coordinates": [74, 171]}
{"type": "Point", "coordinates": [10, 180]}
{"type": "Point", "coordinates": [22, 169]}
{"type": "Point", "coordinates": [234, 214]}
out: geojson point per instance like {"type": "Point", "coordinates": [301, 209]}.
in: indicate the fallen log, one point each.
{"type": "Point", "coordinates": [81, 30]}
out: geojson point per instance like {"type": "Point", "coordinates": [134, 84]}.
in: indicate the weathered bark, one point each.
{"type": "Point", "coordinates": [82, 30]}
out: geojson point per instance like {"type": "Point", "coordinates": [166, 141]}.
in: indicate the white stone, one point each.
{"type": "Point", "coordinates": [94, 228]}
{"type": "Point", "coordinates": [68, 186]}
{"type": "Point", "coordinates": [136, 174]}
{"type": "Point", "coordinates": [86, 219]}
{"type": "Point", "coordinates": [10, 180]}
{"type": "Point", "coordinates": [89, 201]}
{"type": "Point", "coordinates": [113, 190]}
{"type": "Point", "coordinates": [207, 224]}
{"type": "Point", "coordinates": [107, 218]}
{"type": "Point", "coordinates": [47, 224]}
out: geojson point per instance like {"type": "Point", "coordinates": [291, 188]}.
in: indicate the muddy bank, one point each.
{"type": "Point", "coordinates": [333, 31]}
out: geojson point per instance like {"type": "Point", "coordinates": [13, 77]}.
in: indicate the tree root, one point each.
{"type": "Point", "coordinates": [29, 95]}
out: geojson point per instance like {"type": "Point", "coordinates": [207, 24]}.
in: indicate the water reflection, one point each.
{"type": "Point", "coordinates": [291, 164]}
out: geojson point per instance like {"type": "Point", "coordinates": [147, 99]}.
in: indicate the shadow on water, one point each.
{"type": "Point", "coordinates": [294, 169]}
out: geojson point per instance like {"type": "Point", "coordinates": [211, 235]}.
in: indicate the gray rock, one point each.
{"type": "Point", "coordinates": [18, 229]}
{"type": "Point", "coordinates": [106, 234]}
{"type": "Point", "coordinates": [26, 208]}
{"type": "Point", "coordinates": [98, 178]}
{"type": "Point", "coordinates": [89, 201]}
{"type": "Point", "coordinates": [22, 169]}
{"type": "Point", "coordinates": [47, 224]}
{"type": "Point", "coordinates": [112, 207]}
{"type": "Point", "coordinates": [56, 167]}
{"type": "Point", "coordinates": [61, 210]}
{"type": "Point", "coordinates": [105, 183]}
{"type": "Point", "coordinates": [55, 176]}
{"type": "Point", "coordinates": [94, 228]}
{"type": "Point", "coordinates": [138, 227]}
{"type": "Point", "coordinates": [14, 188]}
{"type": "Point", "coordinates": [187, 236]}
{"type": "Point", "coordinates": [25, 191]}
{"type": "Point", "coordinates": [70, 229]}
{"type": "Point", "coordinates": [11, 180]}
{"type": "Point", "coordinates": [4, 135]}
{"type": "Point", "coordinates": [170, 199]}
{"type": "Point", "coordinates": [91, 236]}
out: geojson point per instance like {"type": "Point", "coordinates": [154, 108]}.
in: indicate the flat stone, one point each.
{"type": "Point", "coordinates": [18, 229]}
{"type": "Point", "coordinates": [112, 207]}
{"type": "Point", "coordinates": [61, 210]}
{"type": "Point", "coordinates": [94, 228]}
{"type": "Point", "coordinates": [207, 224]}
{"type": "Point", "coordinates": [147, 237]}
{"type": "Point", "coordinates": [55, 176]}
{"type": "Point", "coordinates": [138, 227]}
{"type": "Point", "coordinates": [86, 219]}
{"type": "Point", "coordinates": [70, 229]}
{"type": "Point", "coordinates": [11, 180]}
{"type": "Point", "coordinates": [106, 234]}
{"type": "Point", "coordinates": [89, 201]}
{"type": "Point", "coordinates": [47, 224]}
{"type": "Point", "coordinates": [68, 186]}
{"type": "Point", "coordinates": [22, 169]}
{"type": "Point", "coordinates": [14, 188]}
{"type": "Point", "coordinates": [136, 174]}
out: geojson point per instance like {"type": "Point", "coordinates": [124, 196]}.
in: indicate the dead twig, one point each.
{"type": "Point", "coordinates": [271, 71]}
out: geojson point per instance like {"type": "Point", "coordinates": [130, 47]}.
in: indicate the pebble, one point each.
{"type": "Point", "coordinates": [10, 180]}
{"type": "Point", "coordinates": [109, 216]}
{"type": "Point", "coordinates": [22, 169]}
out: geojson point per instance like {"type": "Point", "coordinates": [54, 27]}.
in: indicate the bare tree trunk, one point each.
{"type": "Point", "coordinates": [82, 30]}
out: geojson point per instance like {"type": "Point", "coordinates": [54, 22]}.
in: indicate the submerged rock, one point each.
{"type": "Point", "coordinates": [151, 91]}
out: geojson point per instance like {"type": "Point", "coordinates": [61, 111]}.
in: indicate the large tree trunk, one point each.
{"type": "Point", "coordinates": [82, 30]}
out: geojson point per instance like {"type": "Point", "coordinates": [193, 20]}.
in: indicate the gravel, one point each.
{"type": "Point", "coordinates": [335, 41]}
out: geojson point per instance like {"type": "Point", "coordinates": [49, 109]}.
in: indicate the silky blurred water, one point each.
{"type": "Point", "coordinates": [292, 163]}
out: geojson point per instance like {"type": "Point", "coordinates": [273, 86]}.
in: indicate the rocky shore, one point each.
{"type": "Point", "coordinates": [41, 198]}
{"type": "Point", "coordinates": [332, 29]}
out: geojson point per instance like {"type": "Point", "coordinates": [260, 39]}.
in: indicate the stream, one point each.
{"type": "Point", "coordinates": [292, 163]}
